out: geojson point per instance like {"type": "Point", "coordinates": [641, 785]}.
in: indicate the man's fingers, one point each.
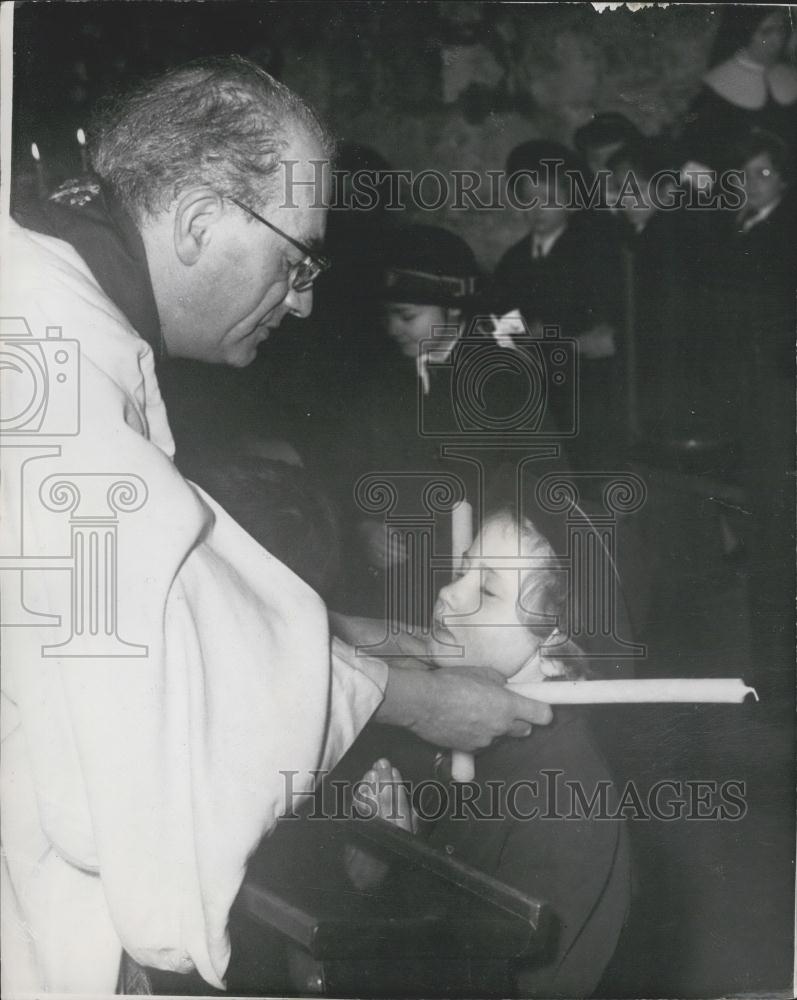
{"type": "Point", "coordinates": [520, 729]}
{"type": "Point", "coordinates": [552, 668]}
{"type": "Point", "coordinates": [527, 710]}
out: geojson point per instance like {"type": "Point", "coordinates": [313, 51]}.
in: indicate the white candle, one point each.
{"type": "Point", "coordinates": [463, 766]}
{"type": "Point", "coordinates": [81, 141]}
{"type": "Point", "coordinates": [647, 690]}
{"type": "Point", "coordinates": [712, 690]}
{"type": "Point", "coordinates": [461, 528]}
{"type": "Point", "coordinates": [41, 181]}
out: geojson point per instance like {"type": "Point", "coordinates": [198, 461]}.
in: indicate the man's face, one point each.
{"type": "Point", "coordinates": [548, 212]}
{"type": "Point", "coordinates": [240, 287]}
{"type": "Point", "coordinates": [480, 608]}
{"type": "Point", "coordinates": [763, 184]}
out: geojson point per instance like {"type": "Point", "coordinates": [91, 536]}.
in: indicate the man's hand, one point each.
{"type": "Point", "coordinates": [402, 649]}
{"type": "Point", "coordinates": [460, 708]}
{"type": "Point", "coordinates": [382, 793]}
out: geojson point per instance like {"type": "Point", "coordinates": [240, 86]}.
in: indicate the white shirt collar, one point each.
{"type": "Point", "coordinates": [545, 241]}
{"type": "Point", "coordinates": [760, 215]}
{"type": "Point", "coordinates": [437, 356]}
{"type": "Point", "coordinates": [504, 327]}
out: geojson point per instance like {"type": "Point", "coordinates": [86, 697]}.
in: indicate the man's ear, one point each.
{"type": "Point", "coordinates": [198, 212]}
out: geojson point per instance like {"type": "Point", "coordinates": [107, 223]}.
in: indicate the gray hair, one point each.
{"type": "Point", "coordinates": [223, 122]}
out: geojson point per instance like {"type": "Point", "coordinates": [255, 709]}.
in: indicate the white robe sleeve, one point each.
{"type": "Point", "coordinates": [139, 780]}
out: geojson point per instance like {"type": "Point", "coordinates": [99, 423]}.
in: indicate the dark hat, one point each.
{"type": "Point", "coordinates": [645, 156]}
{"type": "Point", "coordinates": [531, 154]}
{"type": "Point", "coordinates": [429, 265]}
{"type": "Point", "coordinates": [604, 129]}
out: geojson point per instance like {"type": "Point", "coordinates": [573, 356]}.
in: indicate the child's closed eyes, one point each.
{"type": "Point", "coordinates": [482, 609]}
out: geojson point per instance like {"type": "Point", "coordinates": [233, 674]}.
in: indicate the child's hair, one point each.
{"type": "Point", "coordinates": [543, 600]}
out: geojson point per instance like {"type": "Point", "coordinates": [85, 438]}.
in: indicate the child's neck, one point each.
{"type": "Point", "coordinates": [530, 672]}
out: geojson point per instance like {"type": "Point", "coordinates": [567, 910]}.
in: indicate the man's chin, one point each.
{"type": "Point", "coordinates": [243, 357]}
{"type": "Point", "coordinates": [245, 352]}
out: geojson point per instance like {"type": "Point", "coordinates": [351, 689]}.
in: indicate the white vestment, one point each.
{"type": "Point", "coordinates": [143, 759]}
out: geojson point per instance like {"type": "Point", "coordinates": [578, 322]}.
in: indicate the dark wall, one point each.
{"type": "Point", "coordinates": [444, 85]}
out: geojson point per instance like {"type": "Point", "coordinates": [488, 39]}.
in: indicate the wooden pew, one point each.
{"type": "Point", "coordinates": [433, 927]}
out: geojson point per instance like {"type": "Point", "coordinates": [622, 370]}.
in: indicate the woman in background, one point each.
{"type": "Point", "coordinates": [751, 83]}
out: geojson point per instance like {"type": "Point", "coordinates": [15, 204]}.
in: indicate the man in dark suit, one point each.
{"type": "Point", "coordinates": [664, 251]}
{"type": "Point", "coordinates": [565, 273]}
{"type": "Point", "coordinates": [755, 288]}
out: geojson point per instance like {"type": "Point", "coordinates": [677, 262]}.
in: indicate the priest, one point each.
{"type": "Point", "coordinates": [153, 695]}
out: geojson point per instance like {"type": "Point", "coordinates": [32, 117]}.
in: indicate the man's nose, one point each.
{"type": "Point", "coordinates": [299, 303]}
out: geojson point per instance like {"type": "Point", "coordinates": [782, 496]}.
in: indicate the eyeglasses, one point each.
{"type": "Point", "coordinates": [308, 268]}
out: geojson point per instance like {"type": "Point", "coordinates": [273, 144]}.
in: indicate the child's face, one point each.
{"type": "Point", "coordinates": [762, 182]}
{"type": "Point", "coordinates": [479, 609]}
{"type": "Point", "coordinates": [409, 324]}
